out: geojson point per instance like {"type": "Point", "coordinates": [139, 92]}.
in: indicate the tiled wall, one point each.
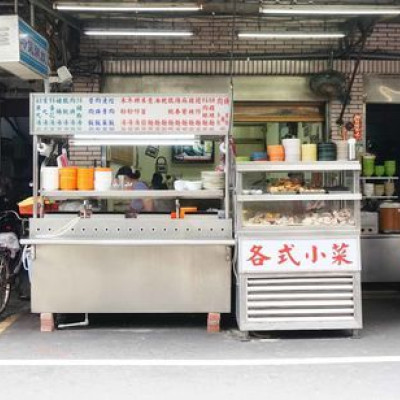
{"type": "Point", "coordinates": [214, 38]}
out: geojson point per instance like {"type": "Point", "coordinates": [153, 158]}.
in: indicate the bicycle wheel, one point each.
{"type": "Point", "coordinates": [5, 285]}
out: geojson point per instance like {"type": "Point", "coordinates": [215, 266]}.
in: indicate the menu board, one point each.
{"type": "Point", "coordinates": [61, 114]}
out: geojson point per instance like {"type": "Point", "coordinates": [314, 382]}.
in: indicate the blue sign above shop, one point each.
{"type": "Point", "coordinates": [23, 51]}
{"type": "Point", "coordinates": [34, 49]}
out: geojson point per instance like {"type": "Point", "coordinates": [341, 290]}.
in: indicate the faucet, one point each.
{"type": "Point", "coordinates": [85, 210]}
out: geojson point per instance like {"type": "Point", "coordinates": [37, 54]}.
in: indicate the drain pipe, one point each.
{"type": "Point", "coordinates": [85, 322]}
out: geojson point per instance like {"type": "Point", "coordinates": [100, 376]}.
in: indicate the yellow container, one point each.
{"type": "Point", "coordinates": [309, 152]}
{"type": "Point", "coordinates": [68, 178]}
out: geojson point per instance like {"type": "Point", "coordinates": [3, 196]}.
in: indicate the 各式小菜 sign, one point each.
{"type": "Point", "coordinates": [136, 113]}
{"type": "Point", "coordinates": [290, 255]}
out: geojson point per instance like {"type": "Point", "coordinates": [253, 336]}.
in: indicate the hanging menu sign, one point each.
{"type": "Point", "coordinates": [63, 114]}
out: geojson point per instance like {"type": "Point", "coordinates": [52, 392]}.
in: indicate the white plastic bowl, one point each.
{"type": "Point", "coordinates": [193, 185]}
{"type": "Point", "coordinates": [180, 185]}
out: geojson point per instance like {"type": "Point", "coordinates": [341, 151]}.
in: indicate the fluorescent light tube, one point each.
{"type": "Point", "coordinates": [330, 10]}
{"type": "Point", "coordinates": [291, 35]}
{"type": "Point", "coordinates": [138, 137]}
{"type": "Point", "coordinates": [126, 7]}
{"type": "Point", "coordinates": [84, 142]}
{"type": "Point", "coordinates": [97, 32]}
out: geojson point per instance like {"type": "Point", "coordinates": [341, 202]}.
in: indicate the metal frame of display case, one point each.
{"type": "Point", "coordinates": [112, 264]}
{"type": "Point", "coordinates": [299, 299]}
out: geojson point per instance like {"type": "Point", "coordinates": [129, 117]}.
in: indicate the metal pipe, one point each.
{"type": "Point", "coordinates": [32, 15]}
{"type": "Point", "coordinates": [351, 83]}
{"type": "Point", "coordinates": [47, 6]}
{"type": "Point", "coordinates": [16, 7]}
{"type": "Point", "coordinates": [35, 176]}
{"type": "Point", "coordinates": [85, 322]}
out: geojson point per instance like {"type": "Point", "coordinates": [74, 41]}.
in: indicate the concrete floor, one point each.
{"type": "Point", "coordinates": [163, 357]}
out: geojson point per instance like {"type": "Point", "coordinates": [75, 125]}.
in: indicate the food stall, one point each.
{"type": "Point", "coordinates": [298, 255]}
{"type": "Point", "coordinates": [101, 262]}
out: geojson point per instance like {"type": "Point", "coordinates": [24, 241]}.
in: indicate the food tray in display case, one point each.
{"type": "Point", "coordinates": [318, 213]}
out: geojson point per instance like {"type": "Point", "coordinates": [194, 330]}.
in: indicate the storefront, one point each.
{"type": "Point", "coordinates": [379, 217]}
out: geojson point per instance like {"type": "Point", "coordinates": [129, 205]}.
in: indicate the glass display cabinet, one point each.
{"type": "Point", "coordinates": [298, 233]}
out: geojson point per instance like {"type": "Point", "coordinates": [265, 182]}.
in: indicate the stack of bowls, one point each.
{"type": "Point", "coordinates": [292, 149]}
{"type": "Point", "coordinates": [309, 152]}
{"type": "Point", "coordinates": [368, 165]}
{"type": "Point", "coordinates": [327, 151]}
{"type": "Point", "coordinates": [213, 180]}
{"type": "Point", "coordinates": [276, 153]}
{"type": "Point", "coordinates": [342, 152]}
{"type": "Point", "coordinates": [259, 156]}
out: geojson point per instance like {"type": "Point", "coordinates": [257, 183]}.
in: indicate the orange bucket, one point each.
{"type": "Point", "coordinates": [68, 178]}
{"type": "Point", "coordinates": [85, 179]}
{"type": "Point", "coordinates": [276, 153]}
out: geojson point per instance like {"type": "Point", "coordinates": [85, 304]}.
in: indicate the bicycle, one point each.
{"type": "Point", "coordinates": [11, 253]}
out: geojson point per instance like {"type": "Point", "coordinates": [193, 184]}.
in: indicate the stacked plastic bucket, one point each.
{"type": "Point", "coordinates": [292, 150]}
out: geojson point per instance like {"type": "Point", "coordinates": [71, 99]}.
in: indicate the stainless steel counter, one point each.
{"type": "Point", "coordinates": [147, 264]}
{"type": "Point", "coordinates": [380, 258]}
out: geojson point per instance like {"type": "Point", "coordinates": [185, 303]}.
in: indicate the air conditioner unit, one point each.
{"type": "Point", "coordinates": [23, 52]}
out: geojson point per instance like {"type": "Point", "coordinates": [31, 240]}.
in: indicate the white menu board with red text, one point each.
{"type": "Point", "coordinates": [291, 255]}
{"type": "Point", "coordinates": [63, 114]}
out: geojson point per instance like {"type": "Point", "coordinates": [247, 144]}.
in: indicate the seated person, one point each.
{"type": "Point", "coordinates": [133, 177]}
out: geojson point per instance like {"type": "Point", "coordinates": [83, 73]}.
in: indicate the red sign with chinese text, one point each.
{"type": "Point", "coordinates": [335, 254]}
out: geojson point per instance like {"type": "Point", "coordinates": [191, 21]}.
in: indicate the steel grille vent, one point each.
{"type": "Point", "coordinates": [300, 299]}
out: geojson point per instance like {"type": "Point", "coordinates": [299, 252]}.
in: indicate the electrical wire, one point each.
{"type": "Point", "coordinates": [60, 231]}
{"type": "Point", "coordinates": [27, 260]}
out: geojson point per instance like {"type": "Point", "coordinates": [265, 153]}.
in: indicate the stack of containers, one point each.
{"type": "Point", "coordinates": [85, 179]}
{"type": "Point", "coordinates": [68, 178]}
{"type": "Point", "coordinates": [327, 151]}
{"type": "Point", "coordinates": [292, 150]}
{"type": "Point", "coordinates": [102, 179]}
{"type": "Point", "coordinates": [276, 153]}
{"type": "Point", "coordinates": [341, 147]}
{"type": "Point", "coordinates": [49, 179]}
{"type": "Point", "coordinates": [309, 152]}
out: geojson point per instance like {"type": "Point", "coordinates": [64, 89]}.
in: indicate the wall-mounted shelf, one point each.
{"type": "Point", "coordinates": [379, 178]}
{"type": "Point", "coordinates": [318, 166]}
{"type": "Point", "coordinates": [381, 197]}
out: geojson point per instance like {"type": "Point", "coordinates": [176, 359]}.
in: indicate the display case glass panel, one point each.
{"type": "Point", "coordinates": [309, 213]}
{"type": "Point", "coordinates": [297, 182]}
